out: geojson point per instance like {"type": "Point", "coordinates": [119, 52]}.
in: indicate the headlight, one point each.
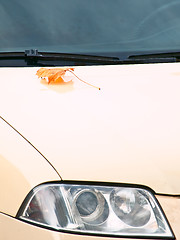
{"type": "Point", "coordinates": [94, 209]}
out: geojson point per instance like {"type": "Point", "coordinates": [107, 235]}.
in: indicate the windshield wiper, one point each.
{"type": "Point", "coordinates": [163, 56]}
{"type": "Point", "coordinates": [33, 56]}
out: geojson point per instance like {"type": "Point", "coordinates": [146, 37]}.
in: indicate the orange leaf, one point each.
{"type": "Point", "coordinates": [55, 75]}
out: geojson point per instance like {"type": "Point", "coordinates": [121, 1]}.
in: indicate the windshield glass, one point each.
{"type": "Point", "coordinates": [95, 26]}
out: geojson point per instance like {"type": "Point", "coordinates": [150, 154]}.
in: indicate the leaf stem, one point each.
{"type": "Point", "coordinates": [83, 80]}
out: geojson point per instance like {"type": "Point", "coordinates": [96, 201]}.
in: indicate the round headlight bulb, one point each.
{"type": "Point", "coordinates": [91, 206]}
{"type": "Point", "coordinates": [131, 207]}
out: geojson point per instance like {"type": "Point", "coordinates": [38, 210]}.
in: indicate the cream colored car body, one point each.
{"type": "Point", "coordinates": [127, 132]}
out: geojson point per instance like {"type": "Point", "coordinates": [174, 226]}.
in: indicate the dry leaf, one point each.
{"type": "Point", "coordinates": [55, 75]}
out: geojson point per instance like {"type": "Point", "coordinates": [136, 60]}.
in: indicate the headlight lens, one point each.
{"type": "Point", "coordinates": [95, 209]}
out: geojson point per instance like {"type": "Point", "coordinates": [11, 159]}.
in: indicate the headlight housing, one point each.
{"type": "Point", "coordinates": [113, 210]}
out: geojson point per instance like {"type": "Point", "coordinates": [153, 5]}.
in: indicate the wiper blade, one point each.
{"type": "Point", "coordinates": [35, 55]}
{"type": "Point", "coordinates": [167, 56]}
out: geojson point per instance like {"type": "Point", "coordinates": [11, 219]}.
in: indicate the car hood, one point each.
{"type": "Point", "coordinates": [128, 132]}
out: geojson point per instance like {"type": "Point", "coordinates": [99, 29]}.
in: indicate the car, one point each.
{"type": "Point", "coordinates": [89, 119]}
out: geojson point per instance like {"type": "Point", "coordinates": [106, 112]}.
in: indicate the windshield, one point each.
{"type": "Point", "coordinates": [110, 27]}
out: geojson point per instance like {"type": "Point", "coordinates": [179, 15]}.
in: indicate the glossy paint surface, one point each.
{"type": "Point", "coordinates": [126, 132]}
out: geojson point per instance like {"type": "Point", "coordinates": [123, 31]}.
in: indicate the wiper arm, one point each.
{"type": "Point", "coordinates": [68, 56]}
{"type": "Point", "coordinates": [35, 55]}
